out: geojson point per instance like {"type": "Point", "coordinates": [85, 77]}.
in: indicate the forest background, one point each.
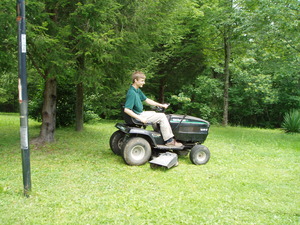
{"type": "Point", "coordinates": [227, 61]}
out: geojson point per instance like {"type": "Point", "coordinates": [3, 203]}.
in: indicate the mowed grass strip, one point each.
{"type": "Point", "coordinates": [251, 178]}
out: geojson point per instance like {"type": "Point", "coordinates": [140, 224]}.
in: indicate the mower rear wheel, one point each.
{"type": "Point", "coordinates": [136, 151]}
{"type": "Point", "coordinates": [116, 142]}
{"type": "Point", "coordinates": [199, 154]}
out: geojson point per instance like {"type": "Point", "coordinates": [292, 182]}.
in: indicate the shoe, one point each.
{"type": "Point", "coordinates": [174, 143]}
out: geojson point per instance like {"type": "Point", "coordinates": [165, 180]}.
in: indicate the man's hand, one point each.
{"type": "Point", "coordinates": [165, 105]}
{"type": "Point", "coordinates": [143, 120]}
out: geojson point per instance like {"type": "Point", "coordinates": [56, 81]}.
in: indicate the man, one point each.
{"type": "Point", "coordinates": [134, 108]}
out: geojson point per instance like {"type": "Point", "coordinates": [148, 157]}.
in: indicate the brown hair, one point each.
{"type": "Point", "coordinates": [137, 75]}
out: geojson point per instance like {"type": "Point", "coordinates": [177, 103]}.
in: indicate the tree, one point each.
{"type": "Point", "coordinates": [71, 35]}
{"type": "Point", "coordinates": [179, 51]}
{"type": "Point", "coordinates": [220, 23]}
{"type": "Point", "coordinates": [227, 36]}
{"type": "Point", "coordinates": [142, 28]}
{"type": "Point", "coordinates": [252, 47]}
{"type": "Point", "coordinates": [49, 56]}
{"type": "Point", "coordinates": [90, 36]}
{"type": "Point", "coordinates": [266, 82]}
{"type": "Point", "coordinates": [8, 58]}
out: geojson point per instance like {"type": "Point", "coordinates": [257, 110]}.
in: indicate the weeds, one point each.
{"type": "Point", "coordinates": [291, 121]}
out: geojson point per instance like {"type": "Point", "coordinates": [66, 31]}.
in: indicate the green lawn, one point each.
{"type": "Point", "coordinates": [253, 177]}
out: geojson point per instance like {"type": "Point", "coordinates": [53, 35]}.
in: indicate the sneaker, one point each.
{"type": "Point", "coordinates": [174, 143]}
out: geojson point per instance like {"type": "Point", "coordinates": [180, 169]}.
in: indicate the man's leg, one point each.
{"type": "Point", "coordinates": [165, 127]}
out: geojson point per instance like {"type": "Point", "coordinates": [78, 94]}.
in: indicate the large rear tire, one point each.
{"type": "Point", "coordinates": [136, 151]}
{"type": "Point", "coordinates": [116, 142]}
{"type": "Point", "coordinates": [199, 155]}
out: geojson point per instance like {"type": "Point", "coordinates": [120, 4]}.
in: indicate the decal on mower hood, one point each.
{"type": "Point", "coordinates": [187, 121]}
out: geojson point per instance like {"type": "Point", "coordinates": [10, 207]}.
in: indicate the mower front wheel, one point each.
{"type": "Point", "coordinates": [199, 154]}
{"type": "Point", "coordinates": [136, 151]}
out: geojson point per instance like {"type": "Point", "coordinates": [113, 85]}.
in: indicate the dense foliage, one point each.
{"type": "Point", "coordinates": [192, 53]}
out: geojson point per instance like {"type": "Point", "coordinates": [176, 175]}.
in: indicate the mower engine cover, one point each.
{"type": "Point", "coordinates": [189, 128]}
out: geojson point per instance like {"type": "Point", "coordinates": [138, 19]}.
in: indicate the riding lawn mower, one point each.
{"type": "Point", "coordinates": [137, 144]}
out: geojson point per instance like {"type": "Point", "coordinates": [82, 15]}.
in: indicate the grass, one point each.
{"type": "Point", "coordinates": [251, 178]}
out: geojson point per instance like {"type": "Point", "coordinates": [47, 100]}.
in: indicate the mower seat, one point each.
{"type": "Point", "coordinates": [132, 121]}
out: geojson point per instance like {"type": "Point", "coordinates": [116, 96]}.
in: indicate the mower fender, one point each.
{"type": "Point", "coordinates": [146, 133]}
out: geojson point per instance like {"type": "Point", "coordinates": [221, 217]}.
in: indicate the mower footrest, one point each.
{"type": "Point", "coordinates": [165, 147]}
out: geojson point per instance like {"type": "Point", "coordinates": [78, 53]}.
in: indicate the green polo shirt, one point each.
{"type": "Point", "coordinates": [134, 99]}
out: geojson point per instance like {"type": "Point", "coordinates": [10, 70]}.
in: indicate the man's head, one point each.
{"type": "Point", "coordinates": [138, 79]}
{"type": "Point", "coordinates": [138, 75]}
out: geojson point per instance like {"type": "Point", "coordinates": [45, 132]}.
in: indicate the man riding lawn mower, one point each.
{"type": "Point", "coordinates": [179, 134]}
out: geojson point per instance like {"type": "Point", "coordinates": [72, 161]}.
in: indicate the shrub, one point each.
{"type": "Point", "coordinates": [91, 117]}
{"type": "Point", "coordinates": [291, 122]}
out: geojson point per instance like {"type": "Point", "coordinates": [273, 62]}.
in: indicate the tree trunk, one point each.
{"type": "Point", "coordinates": [79, 94]}
{"type": "Point", "coordinates": [79, 107]}
{"type": "Point", "coordinates": [162, 92]}
{"type": "Point", "coordinates": [48, 113]}
{"type": "Point", "coordinates": [227, 50]}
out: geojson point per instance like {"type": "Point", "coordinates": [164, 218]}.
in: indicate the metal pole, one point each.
{"type": "Point", "coordinates": [23, 97]}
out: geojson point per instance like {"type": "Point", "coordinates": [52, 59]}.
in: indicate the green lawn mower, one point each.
{"type": "Point", "coordinates": [137, 144]}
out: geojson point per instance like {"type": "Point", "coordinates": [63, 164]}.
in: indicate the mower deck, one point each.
{"type": "Point", "coordinates": [167, 159]}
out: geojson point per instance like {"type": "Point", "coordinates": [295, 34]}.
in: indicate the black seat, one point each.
{"type": "Point", "coordinates": [131, 121]}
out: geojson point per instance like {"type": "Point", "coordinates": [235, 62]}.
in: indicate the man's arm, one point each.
{"type": "Point", "coordinates": [134, 115]}
{"type": "Point", "coordinates": [154, 103]}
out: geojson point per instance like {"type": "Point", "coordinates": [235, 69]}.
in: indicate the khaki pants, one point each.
{"type": "Point", "coordinates": [165, 127]}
